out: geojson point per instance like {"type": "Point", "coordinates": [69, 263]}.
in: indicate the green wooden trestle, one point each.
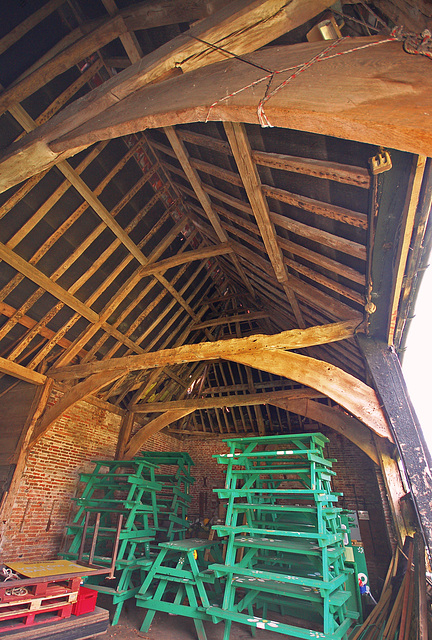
{"type": "Point", "coordinates": [285, 548]}
{"type": "Point", "coordinates": [174, 475]}
{"type": "Point", "coordinates": [144, 494]}
{"type": "Point", "coordinates": [179, 582]}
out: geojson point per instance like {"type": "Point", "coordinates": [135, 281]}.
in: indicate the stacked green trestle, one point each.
{"type": "Point", "coordinates": [145, 497]}
{"type": "Point", "coordinates": [285, 548]}
{"type": "Point", "coordinates": [174, 498]}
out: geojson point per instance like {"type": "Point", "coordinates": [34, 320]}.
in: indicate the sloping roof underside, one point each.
{"type": "Point", "coordinates": [72, 291]}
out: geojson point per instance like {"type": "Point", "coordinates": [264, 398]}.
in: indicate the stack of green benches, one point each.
{"type": "Point", "coordinates": [116, 521]}
{"type": "Point", "coordinates": [174, 475]}
{"type": "Point", "coordinates": [285, 548]}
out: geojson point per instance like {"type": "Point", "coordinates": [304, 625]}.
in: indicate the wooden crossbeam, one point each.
{"type": "Point", "coordinates": [188, 256]}
{"type": "Point", "coordinates": [240, 400]}
{"type": "Point", "coordinates": [294, 339]}
{"type": "Point", "coordinates": [22, 373]}
{"type": "Point", "coordinates": [241, 317]}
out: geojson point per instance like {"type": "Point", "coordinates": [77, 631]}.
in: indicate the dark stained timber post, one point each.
{"type": "Point", "coordinates": [385, 370]}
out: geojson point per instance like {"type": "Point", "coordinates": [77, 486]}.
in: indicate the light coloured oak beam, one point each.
{"type": "Point", "coordinates": [349, 392]}
{"type": "Point", "coordinates": [240, 400]}
{"type": "Point", "coordinates": [294, 339]}
{"type": "Point", "coordinates": [22, 373]}
{"type": "Point", "coordinates": [76, 394]}
{"type": "Point", "coordinates": [159, 423]}
{"type": "Point", "coordinates": [241, 317]}
{"type": "Point", "coordinates": [186, 257]}
{"type": "Point", "coordinates": [237, 137]}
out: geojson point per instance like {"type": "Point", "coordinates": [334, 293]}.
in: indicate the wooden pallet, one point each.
{"type": "Point", "coordinates": [88, 625]}
{"type": "Point", "coordinates": [45, 613]}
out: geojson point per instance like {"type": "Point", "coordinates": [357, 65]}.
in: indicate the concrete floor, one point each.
{"type": "Point", "coordinates": [168, 627]}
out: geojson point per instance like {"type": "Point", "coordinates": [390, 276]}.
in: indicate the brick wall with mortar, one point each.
{"type": "Point", "coordinates": [356, 479]}
{"type": "Point", "coordinates": [44, 504]}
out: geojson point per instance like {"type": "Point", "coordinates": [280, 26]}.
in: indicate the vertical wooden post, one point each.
{"type": "Point", "coordinates": [124, 434]}
{"type": "Point", "coordinates": [386, 373]}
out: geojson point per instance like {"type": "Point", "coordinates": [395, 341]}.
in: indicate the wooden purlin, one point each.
{"type": "Point", "coordinates": [327, 170]}
{"type": "Point", "coordinates": [284, 244]}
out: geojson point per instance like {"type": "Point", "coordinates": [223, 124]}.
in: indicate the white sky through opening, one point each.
{"type": "Point", "coordinates": [417, 360]}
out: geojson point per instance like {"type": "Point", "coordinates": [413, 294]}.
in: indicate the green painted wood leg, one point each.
{"type": "Point", "coordinates": [251, 613]}
{"type": "Point", "coordinates": [117, 613]}
{"type": "Point", "coordinates": [199, 626]}
{"type": "Point", "coordinates": [148, 619]}
{"type": "Point", "coordinates": [227, 630]}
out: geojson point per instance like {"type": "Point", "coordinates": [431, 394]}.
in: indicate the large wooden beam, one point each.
{"type": "Point", "coordinates": [186, 257]}
{"type": "Point", "coordinates": [336, 419]}
{"type": "Point", "coordinates": [384, 367]}
{"type": "Point", "coordinates": [241, 317]}
{"type": "Point", "coordinates": [349, 392]}
{"type": "Point", "coordinates": [151, 428]}
{"type": "Point", "coordinates": [294, 339]}
{"type": "Point", "coordinates": [242, 152]}
{"type": "Point", "coordinates": [22, 373]}
{"type": "Point", "coordinates": [351, 104]}
{"type": "Point", "coordinates": [241, 27]}
{"type": "Point", "coordinates": [240, 400]}
{"type": "Point", "coordinates": [70, 398]}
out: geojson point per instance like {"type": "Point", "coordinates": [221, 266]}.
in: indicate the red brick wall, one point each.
{"type": "Point", "coordinates": [44, 503]}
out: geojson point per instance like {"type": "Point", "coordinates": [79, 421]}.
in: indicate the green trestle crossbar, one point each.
{"type": "Point", "coordinates": [185, 585]}
{"type": "Point", "coordinates": [130, 488]}
{"type": "Point", "coordinates": [284, 538]}
{"type": "Point", "coordinates": [174, 498]}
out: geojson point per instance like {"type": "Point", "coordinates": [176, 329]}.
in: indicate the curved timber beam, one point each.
{"type": "Point", "coordinates": [336, 419]}
{"type": "Point", "coordinates": [240, 27]}
{"type": "Point", "coordinates": [356, 101]}
{"type": "Point", "coordinates": [292, 339]}
{"type": "Point", "coordinates": [351, 393]}
{"type": "Point", "coordinates": [159, 423]}
{"type": "Point", "coordinates": [79, 392]}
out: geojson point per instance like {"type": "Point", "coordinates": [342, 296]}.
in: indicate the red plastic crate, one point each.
{"type": "Point", "coordinates": [86, 601]}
